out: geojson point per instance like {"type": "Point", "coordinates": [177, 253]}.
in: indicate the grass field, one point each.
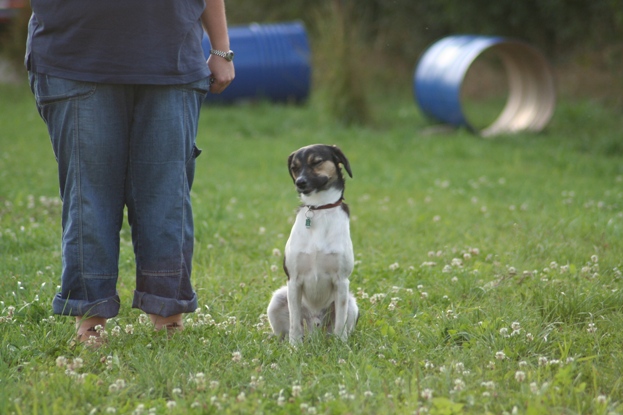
{"type": "Point", "coordinates": [488, 273]}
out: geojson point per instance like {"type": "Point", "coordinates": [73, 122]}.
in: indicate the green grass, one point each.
{"type": "Point", "coordinates": [457, 239]}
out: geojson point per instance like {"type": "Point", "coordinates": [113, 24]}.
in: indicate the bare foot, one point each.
{"type": "Point", "coordinates": [171, 323]}
{"type": "Point", "coordinates": [86, 329]}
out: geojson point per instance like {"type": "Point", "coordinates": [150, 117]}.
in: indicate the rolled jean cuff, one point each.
{"type": "Point", "coordinates": [161, 306]}
{"type": "Point", "coordinates": [105, 308]}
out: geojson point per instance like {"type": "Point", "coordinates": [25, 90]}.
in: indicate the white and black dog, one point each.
{"type": "Point", "coordinates": [318, 257]}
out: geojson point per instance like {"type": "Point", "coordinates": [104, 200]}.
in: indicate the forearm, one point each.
{"type": "Point", "coordinates": [214, 23]}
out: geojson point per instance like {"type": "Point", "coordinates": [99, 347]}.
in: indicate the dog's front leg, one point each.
{"type": "Point", "coordinates": [295, 296]}
{"type": "Point", "coordinates": [341, 310]}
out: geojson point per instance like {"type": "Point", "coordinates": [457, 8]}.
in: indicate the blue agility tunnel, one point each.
{"type": "Point", "coordinates": [440, 72]}
{"type": "Point", "coordinates": [272, 62]}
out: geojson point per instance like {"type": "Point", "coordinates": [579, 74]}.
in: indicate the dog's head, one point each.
{"type": "Point", "coordinates": [316, 168]}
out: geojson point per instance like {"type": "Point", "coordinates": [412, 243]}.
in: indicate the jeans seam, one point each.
{"type": "Point", "coordinates": [78, 173]}
{"type": "Point", "coordinates": [183, 201]}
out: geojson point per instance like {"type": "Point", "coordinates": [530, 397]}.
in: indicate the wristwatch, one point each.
{"type": "Point", "coordinates": [228, 56]}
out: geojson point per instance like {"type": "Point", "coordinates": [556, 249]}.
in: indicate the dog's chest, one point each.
{"type": "Point", "coordinates": [322, 250]}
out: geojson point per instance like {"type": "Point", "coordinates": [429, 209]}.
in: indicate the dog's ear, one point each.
{"type": "Point", "coordinates": [341, 158]}
{"type": "Point", "coordinates": [290, 165]}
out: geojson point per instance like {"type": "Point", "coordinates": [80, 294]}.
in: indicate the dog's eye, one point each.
{"type": "Point", "coordinates": [317, 162]}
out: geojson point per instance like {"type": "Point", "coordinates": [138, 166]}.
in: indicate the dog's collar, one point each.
{"type": "Point", "coordinates": [329, 206]}
{"type": "Point", "coordinates": [310, 211]}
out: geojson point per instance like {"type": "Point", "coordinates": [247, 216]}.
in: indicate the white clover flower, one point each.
{"type": "Point", "coordinates": [77, 363]}
{"type": "Point", "coordinates": [214, 384]}
{"type": "Point", "coordinates": [143, 319]}
{"type": "Point", "coordinates": [140, 408]}
{"type": "Point", "coordinates": [427, 394]}
{"type": "Point", "coordinates": [529, 337]}
{"type": "Point", "coordinates": [274, 268]}
{"type": "Point", "coordinates": [500, 355]}
{"type": "Point", "coordinates": [281, 400]}
{"type": "Point", "coordinates": [520, 376]}
{"type": "Point", "coordinates": [368, 394]}
{"type": "Point", "coordinates": [534, 388]}
{"type": "Point", "coordinates": [602, 399]}
{"type": "Point", "coordinates": [394, 266]}
{"type": "Point", "coordinates": [591, 328]}
{"type": "Point", "coordinates": [111, 410]}
{"type": "Point", "coordinates": [236, 356]}
{"type": "Point", "coordinates": [447, 269]}
{"type": "Point", "coordinates": [296, 390]}
{"type": "Point", "coordinates": [459, 384]}
{"type": "Point", "coordinates": [129, 329]}
{"type": "Point", "coordinates": [171, 404]}
{"type": "Point", "coordinates": [276, 252]}
{"type": "Point", "coordinates": [594, 258]}
{"type": "Point", "coordinates": [490, 385]}
{"type": "Point", "coordinates": [241, 397]}
{"type": "Point", "coordinates": [176, 391]}
{"type": "Point", "coordinates": [542, 361]}
{"type": "Point", "coordinates": [115, 331]}
{"type": "Point", "coordinates": [504, 332]}
{"type": "Point", "coordinates": [515, 325]}
{"type": "Point", "coordinates": [61, 361]}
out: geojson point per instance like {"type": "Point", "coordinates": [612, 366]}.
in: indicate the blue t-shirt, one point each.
{"type": "Point", "coordinates": [118, 41]}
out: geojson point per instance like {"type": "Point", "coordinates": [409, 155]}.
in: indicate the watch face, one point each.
{"type": "Point", "coordinates": [229, 55]}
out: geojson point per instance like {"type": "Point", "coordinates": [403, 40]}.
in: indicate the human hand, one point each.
{"type": "Point", "coordinates": [223, 73]}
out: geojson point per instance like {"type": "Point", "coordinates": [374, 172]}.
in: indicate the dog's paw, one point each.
{"type": "Point", "coordinates": [295, 340]}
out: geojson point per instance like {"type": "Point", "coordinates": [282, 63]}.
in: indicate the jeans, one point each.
{"type": "Point", "coordinates": [116, 146]}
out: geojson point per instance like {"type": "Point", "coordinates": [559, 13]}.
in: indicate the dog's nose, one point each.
{"type": "Point", "coordinates": [301, 182]}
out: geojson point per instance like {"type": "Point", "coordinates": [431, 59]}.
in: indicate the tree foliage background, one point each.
{"type": "Point", "coordinates": [359, 43]}
{"type": "Point", "coordinates": [404, 28]}
{"type": "Point", "coordinates": [583, 39]}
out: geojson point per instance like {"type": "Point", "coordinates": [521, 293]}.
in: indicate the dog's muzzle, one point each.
{"type": "Point", "coordinates": [302, 185]}
{"type": "Point", "coordinates": [306, 185]}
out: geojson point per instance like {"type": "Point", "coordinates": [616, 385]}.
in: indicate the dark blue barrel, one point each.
{"type": "Point", "coordinates": [440, 72]}
{"type": "Point", "coordinates": [272, 62]}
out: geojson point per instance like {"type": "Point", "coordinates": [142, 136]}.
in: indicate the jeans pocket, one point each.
{"type": "Point", "coordinates": [190, 166]}
{"type": "Point", "coordinates": [50, 89]}
{"type": "Point", "coordinates": [200, 87]}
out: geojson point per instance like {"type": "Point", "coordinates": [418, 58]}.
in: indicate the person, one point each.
{"type": "Point", "coordinates": [120, 85]}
